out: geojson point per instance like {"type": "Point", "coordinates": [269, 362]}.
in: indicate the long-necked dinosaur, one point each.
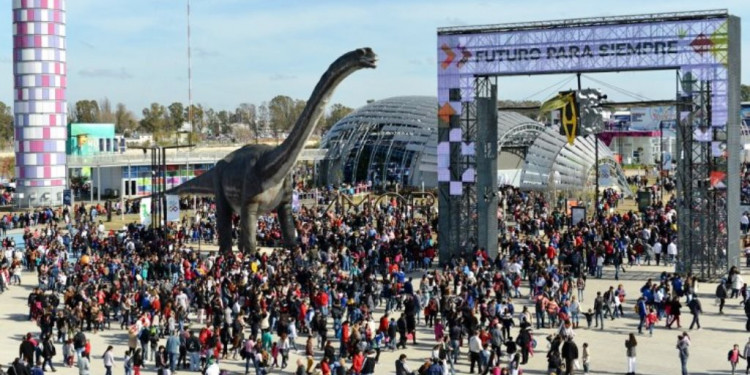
{"type": "Point", "coordinates": [254, 179]}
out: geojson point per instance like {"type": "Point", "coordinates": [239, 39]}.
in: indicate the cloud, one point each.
{"type": "Point", "coordinates": [106, 73]}
{"type": "Point", "coordinates": [282, 77]}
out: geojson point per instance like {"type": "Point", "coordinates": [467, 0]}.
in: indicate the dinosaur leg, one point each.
{"type": "Point", "coordinates": [286, 220]}
{"type": "Point", "coordinates": [224, 223]}
{"type": "Point", "coordinates": [248, 228]}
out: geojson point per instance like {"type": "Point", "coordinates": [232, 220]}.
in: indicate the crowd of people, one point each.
{"type": "Point", "coordinates": [359, 282]}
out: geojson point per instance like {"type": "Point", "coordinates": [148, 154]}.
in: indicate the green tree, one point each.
{"type": "Point", "coordinates": [246, 114]}
{"type": "Point", "coordinates": [281, 110]}
{"type": "Point", "coordinates": [6, 125]}
{"type": "Point", "coordinates": [225, 119]}
{"type": "Point", "coordinates": [198, 117]}
{"type": "Point", "coordinates": [176, 116]}
{"type": "Point", "coordinates": [105, 115]}
{"type": "Point", "coordinates": [745, 93]}
{"type": "Point", "coordinates": [154, 118]}
{"type": "Point", "coordinates": [335, 114]}
{"type": "Point", "coordinates": [87, 111]}
{"type": "Point", "coordinates": [212, 122]}
{"type": "Point", "coordinates": [124, 119]}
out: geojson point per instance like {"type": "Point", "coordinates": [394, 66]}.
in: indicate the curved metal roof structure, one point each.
{"type": "Point", "coordinates": [384, 141]}
{"type": "Point", "coordinates": [394, 140]}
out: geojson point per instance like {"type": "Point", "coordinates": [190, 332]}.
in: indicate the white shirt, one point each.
{"type": "Point", "coordinates": [672, 249]}
{"type": "Point", "coordinates": [475, 344]}
{"type": "Point", "coordinates": [744, 220]}
{"type": "Point", "coordinates": [657, 248]}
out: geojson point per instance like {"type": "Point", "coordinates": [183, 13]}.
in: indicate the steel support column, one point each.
{"type": "Point", "coordinates": [486, 159]}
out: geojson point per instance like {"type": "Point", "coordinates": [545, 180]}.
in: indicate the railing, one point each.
{"type": "Point", "coordinates": [182, 157]}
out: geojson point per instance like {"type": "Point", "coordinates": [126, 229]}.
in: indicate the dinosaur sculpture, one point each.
{"type": "Point", "coordinates": [255, 178]}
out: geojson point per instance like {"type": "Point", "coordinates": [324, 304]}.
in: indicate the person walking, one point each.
{"type": "Point", "coordinates": [683, 346]}
{"type": "Point", "coordinates": [570, 355]}
{"type": "Point", "coordinates": [84, 365]}
{"type": "Point", "coordinates": [640, 308]}
{"type": "Point", "coordinates": [173, 350]}
{"type": "Point", "coordinates": [475, 346]}
{"type": "Point", "coordinates": [48, 351]}
{"type": "Point", "coordinates": [599, 310]}
{"type": "Point", "coordinates": [734, 357]}
{"type": "Point", "coordinates": [109, 360]}
{"type": "Point", "coordinates": [630, 345]}
{"type": "Point", "coordinates": [696, 310]}
{"type": "Point", "coordinates": [746, 354]}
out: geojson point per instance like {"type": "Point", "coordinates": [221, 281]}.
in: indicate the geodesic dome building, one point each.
{"type": "Point", "coordinates": [394, 140]}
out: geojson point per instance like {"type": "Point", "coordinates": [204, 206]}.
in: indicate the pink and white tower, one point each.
{"type": "Point", "coordinates": [40, 106]}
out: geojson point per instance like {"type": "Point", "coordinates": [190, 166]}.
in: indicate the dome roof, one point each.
{"type": "Point", "coordinates": [394, 140]}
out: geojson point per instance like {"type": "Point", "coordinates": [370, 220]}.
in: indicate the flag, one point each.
{"type": "Point", "coordinates": [145, 211]}
{"type": "Point", "coordinates": [173, 207]}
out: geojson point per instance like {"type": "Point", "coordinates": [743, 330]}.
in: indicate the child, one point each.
{"type": "Point", "coordinates": [651, 319]}
{"type": "Point", "coordinates": [128, 362]}
{"type": "Point", "coordinates": [586, 357]}
{"type": "Point", "coordinates": [589, 316]}
{"type": "Point", "coordinates": [734, 357]}
{"type": "Point", "coordinates": [68, 352]}
{"type": "Point", "coordinates": [275, 355]}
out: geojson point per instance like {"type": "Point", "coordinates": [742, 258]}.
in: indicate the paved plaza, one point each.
{"type": "Point", "coordinates": [655, 355]}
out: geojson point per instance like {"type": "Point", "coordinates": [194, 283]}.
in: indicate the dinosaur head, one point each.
{"type": "Point", "coordinates": [357, 59]}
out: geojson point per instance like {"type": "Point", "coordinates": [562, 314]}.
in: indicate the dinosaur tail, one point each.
{"type": "Point", "coordinates": [201, 185]}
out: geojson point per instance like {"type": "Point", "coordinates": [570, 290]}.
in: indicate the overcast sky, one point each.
{"type": "Point", "coordinates": [134, 51]}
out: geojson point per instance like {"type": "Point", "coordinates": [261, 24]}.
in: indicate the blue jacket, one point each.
{"type": "Point", "coordinates": [641, 308]}
{"type": "Point", "coordinates": [173, 344]}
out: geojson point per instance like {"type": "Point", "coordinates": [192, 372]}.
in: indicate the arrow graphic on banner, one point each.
{"type": "Point", "coordinates": [466, 55]}
{"type": "Point", "coordinates": [450, 56]}
{"type": "Point", "coordinates": [445, 112]}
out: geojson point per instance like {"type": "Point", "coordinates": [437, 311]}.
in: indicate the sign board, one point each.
{"type": "Point", "coordinates": [649, 118]}
{"type": "Point", "coordinates": [145, 211]}
{"type": "Point", "coordinates": [577, 214]}
{"type": "Point", "coordinates": [644, 200]}
{"type": "Point", "coordinates": [173, 207]}
{"type": "Point", "coordinates": [67, 197]}
{"type": "Point", "coordinates": [605, 175]}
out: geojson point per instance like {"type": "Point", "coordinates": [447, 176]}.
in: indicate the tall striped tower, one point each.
{"type": "Point", "coordinates": [40, 106]}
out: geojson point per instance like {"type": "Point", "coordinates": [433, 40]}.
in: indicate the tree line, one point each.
{"type": "Point", "coordinates": [245, 122]}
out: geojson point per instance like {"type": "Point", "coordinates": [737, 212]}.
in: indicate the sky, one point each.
{"type": "Point", "coordinates": [135, 51]}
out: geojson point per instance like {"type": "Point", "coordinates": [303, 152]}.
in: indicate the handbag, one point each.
{"type": "Point", "coordinates": [576, 365]}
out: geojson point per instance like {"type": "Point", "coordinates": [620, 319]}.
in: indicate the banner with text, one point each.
{"type": "Point", "coordinates": [145, 211]}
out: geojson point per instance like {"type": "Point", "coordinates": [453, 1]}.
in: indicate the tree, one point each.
{"type": "Point", "coordinates": [281, 110]}
{"type": "Point", "coordinates": [212, 122]}
{"type": "Point", "coordinates": [224, 119]}
{"type": "Point", "coordinates": [262, 120]}
{"type": "Point", "coordinates": [124, 119]}
{"type": "Point", "coordinates": [154, 118]}
{"type": "Point", "coordinates": [246, 114]}
{"type": "Point", "coordinates": [6, 124]}
{"type": "Point", "coordinates": [745, 93]}
{"type": "Point", "coordinates": [335, 114]}
{"type": "Point", "coordinates": [8, 167]}
{"type": "Point", "coordinates": [176, 116]}
{"type": "Point", "coordinates": [87, 111]}
{"type": "Point", "coordinates": [105, 115]}
{"type": "Point", "coordinates": [198, 117]}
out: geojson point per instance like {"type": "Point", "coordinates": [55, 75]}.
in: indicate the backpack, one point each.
{"type": "Point", "coordinates": [729, 355]}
